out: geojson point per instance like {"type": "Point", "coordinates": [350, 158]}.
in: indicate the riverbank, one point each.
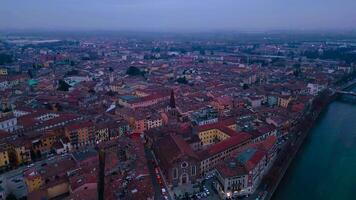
{"type": "Point", "coordinates": [324, 168]}
{"type": "Point", "coordinates": [296, 138]}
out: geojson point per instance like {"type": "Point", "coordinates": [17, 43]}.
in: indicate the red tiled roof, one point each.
{"type": "Point", "coordinates": [184, 146]}
{"type": "Point", "coordinates": [269, 142]}
{"type": "Point", "coordinates": [79, 125]}
{"type": "Point", "coordinates": [255, 159]}
{"type": "Point", "coordinates": [226, 171]}
{"type": "Point", "coordinates": [225, 144]}
{"type": "Point", "coordinates": [89, 194]}
{"type": "Point", "coordinates": [31, 173]}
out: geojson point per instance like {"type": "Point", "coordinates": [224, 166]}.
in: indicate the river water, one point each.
{"type": "Point", "coordinates": [325, 167]}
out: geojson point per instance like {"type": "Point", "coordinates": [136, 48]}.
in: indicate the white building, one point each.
{"type": "Point", "coordinates": [241, 174]}
{"type": "Point", "coordinates": [8, 123]}
{"type": "Point", "coordinates": [314, 89]}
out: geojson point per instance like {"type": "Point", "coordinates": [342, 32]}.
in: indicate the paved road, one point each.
{"type": "Point", "coordinates": [213, 194]}
{"type": "Point", "coordinates": [151, 168]}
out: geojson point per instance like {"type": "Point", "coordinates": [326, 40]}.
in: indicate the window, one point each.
{"type": "Point", "coordinates": [184, 164]}
{"type": "Point", "coordinates": [193, 170]}
{"type": "Point", "coordinates": [175, 173]}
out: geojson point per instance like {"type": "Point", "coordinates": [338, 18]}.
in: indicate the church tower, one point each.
{"type": "Point", "coordinates": [172, 101]}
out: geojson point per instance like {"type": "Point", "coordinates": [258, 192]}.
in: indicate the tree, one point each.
{"type": "Point", "coordinates": [5, 110]}
{"type": "Point", "coordinates": [30, 73]}
{"type": "Point", "coordinates": [134, 71]}
{"type": "Point", "coordinates": [11, 196]}
{"type": "Point", "coordinates": [245, 86]}
{"type": "Point", "coordinates": [5, 58]}
{"type": "Point", "coordinates": [182, 80]}
{"type": "Point", "coordinates": [63, 86]}
{"type": "Point", "coordinates": [72, 72]}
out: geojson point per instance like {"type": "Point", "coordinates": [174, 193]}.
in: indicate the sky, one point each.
{"type": "Point", "coordinates": [178, 15]}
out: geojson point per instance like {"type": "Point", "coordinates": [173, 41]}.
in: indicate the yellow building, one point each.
{"type": "Point", "coordinates": [45, 143]}
{"type": "Point", "coordinates": [283, 101]}
{"type": "Point", "coordinates": [58, 189]}
{"type": "Point", "coordinates": [33, 179]}
{"type": "Point", "coordinates": [211, 136]}
{"type": "Point", "coordinates": [212, 133]}
{"type": "Point", "coordinates": [21, 153]}
{"type": "Point", "coordinates": [3, 72]}
{"type": "Point", "coordinates": [4, 158]}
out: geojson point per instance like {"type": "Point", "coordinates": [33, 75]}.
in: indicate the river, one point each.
{"type": "Point", "coordinates": [325, 167]}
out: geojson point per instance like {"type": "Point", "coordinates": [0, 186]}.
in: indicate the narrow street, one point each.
{"type": "Point", "coordinates": [157, 186]}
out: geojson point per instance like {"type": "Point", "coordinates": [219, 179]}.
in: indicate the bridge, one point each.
{"type": "Point", "coordinates": [343, 90]}
{"type": "Point", "coordinates": [346, 93]}
{"type": "Point", "coordinates": [348, 85]}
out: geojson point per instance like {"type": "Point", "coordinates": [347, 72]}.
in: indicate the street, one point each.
{"type": "Point", "coordinates": [158, 184]}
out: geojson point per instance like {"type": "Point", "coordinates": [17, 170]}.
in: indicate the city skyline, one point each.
{"type": "Point", "coordinates": [177, 99]}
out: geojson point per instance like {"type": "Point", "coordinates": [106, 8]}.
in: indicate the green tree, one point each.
{"type": "Point", "coordinates": [5, 58]}
{"type": "Point", "coordinates": [72, 72]}
{"type": "Point", "coordinates": [11, 197]}
{"type": "Point", "coordinates": [182, 80]}
{"type": "Point", "coordinates": [245, 86]}
{"type": "Point", "coordinates": [134, 71]}
{"type": "Point", "coordinates": [63, 86]}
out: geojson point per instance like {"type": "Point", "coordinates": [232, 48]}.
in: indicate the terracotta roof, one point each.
{"type": "Point", "coordinates": [171, 148]}
{"type": "Point", "coordinates": [225, 144]}
{"type": "Point", "coordinates": [255, 159]}
{"type": "Point", "coordinates": [89, 194]}
{"type": "Point", "coordinates": [231, 168]}
{"type": "Point", "coordinates": [183, 146]}
{"type": "Point", "coordinates": [269, 142]}
{"type": "Point", "coordinates": [79, 125]}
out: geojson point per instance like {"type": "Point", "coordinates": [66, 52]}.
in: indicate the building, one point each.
{"type": "Point", "coordinates": [33, 179]}
{"type": "Point", "coordinates": [20, 151]}
{"type": "Point", "coordinates": [272, 100]}
{"type": "Point", "coordinates": [255, 101]}
{"type": "Point", "coordinates": [135, 102]}
{"type": "Point", "coordinates": [4, 157]}
{"type": "Point", "coordinates": [139, 120]}
{"type": "Point", "coordinates": [283, 101]}
{"type": "Point", "coordinates": [212, 133]}
{"type": "Point", "coordinates": [81, 134]}
{"type": "Point", "coordinates": [8, 123]}
{"type": "Point", "coordinates": [220, 151]}
{"type": "Point", "coordinates": [241, 174]}
{"type": "Point", "coordinates": [314, 89]}
{"type": "Point", "coordinates": [179, 163]}
{"type": "Point", "coordinates": [204, 116]}
{"type": "Point", "coordinates": [42, 143]}
{"type": "Point", "coordinates": [3, 71]}
{"type": "Point", "coordinates": [49, 181]}
{"type": "Point", "coordinates": [62, 146]}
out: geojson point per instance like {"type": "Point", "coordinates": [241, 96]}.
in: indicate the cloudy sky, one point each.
{"type": "Point", "coordinates": [177, 15]}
